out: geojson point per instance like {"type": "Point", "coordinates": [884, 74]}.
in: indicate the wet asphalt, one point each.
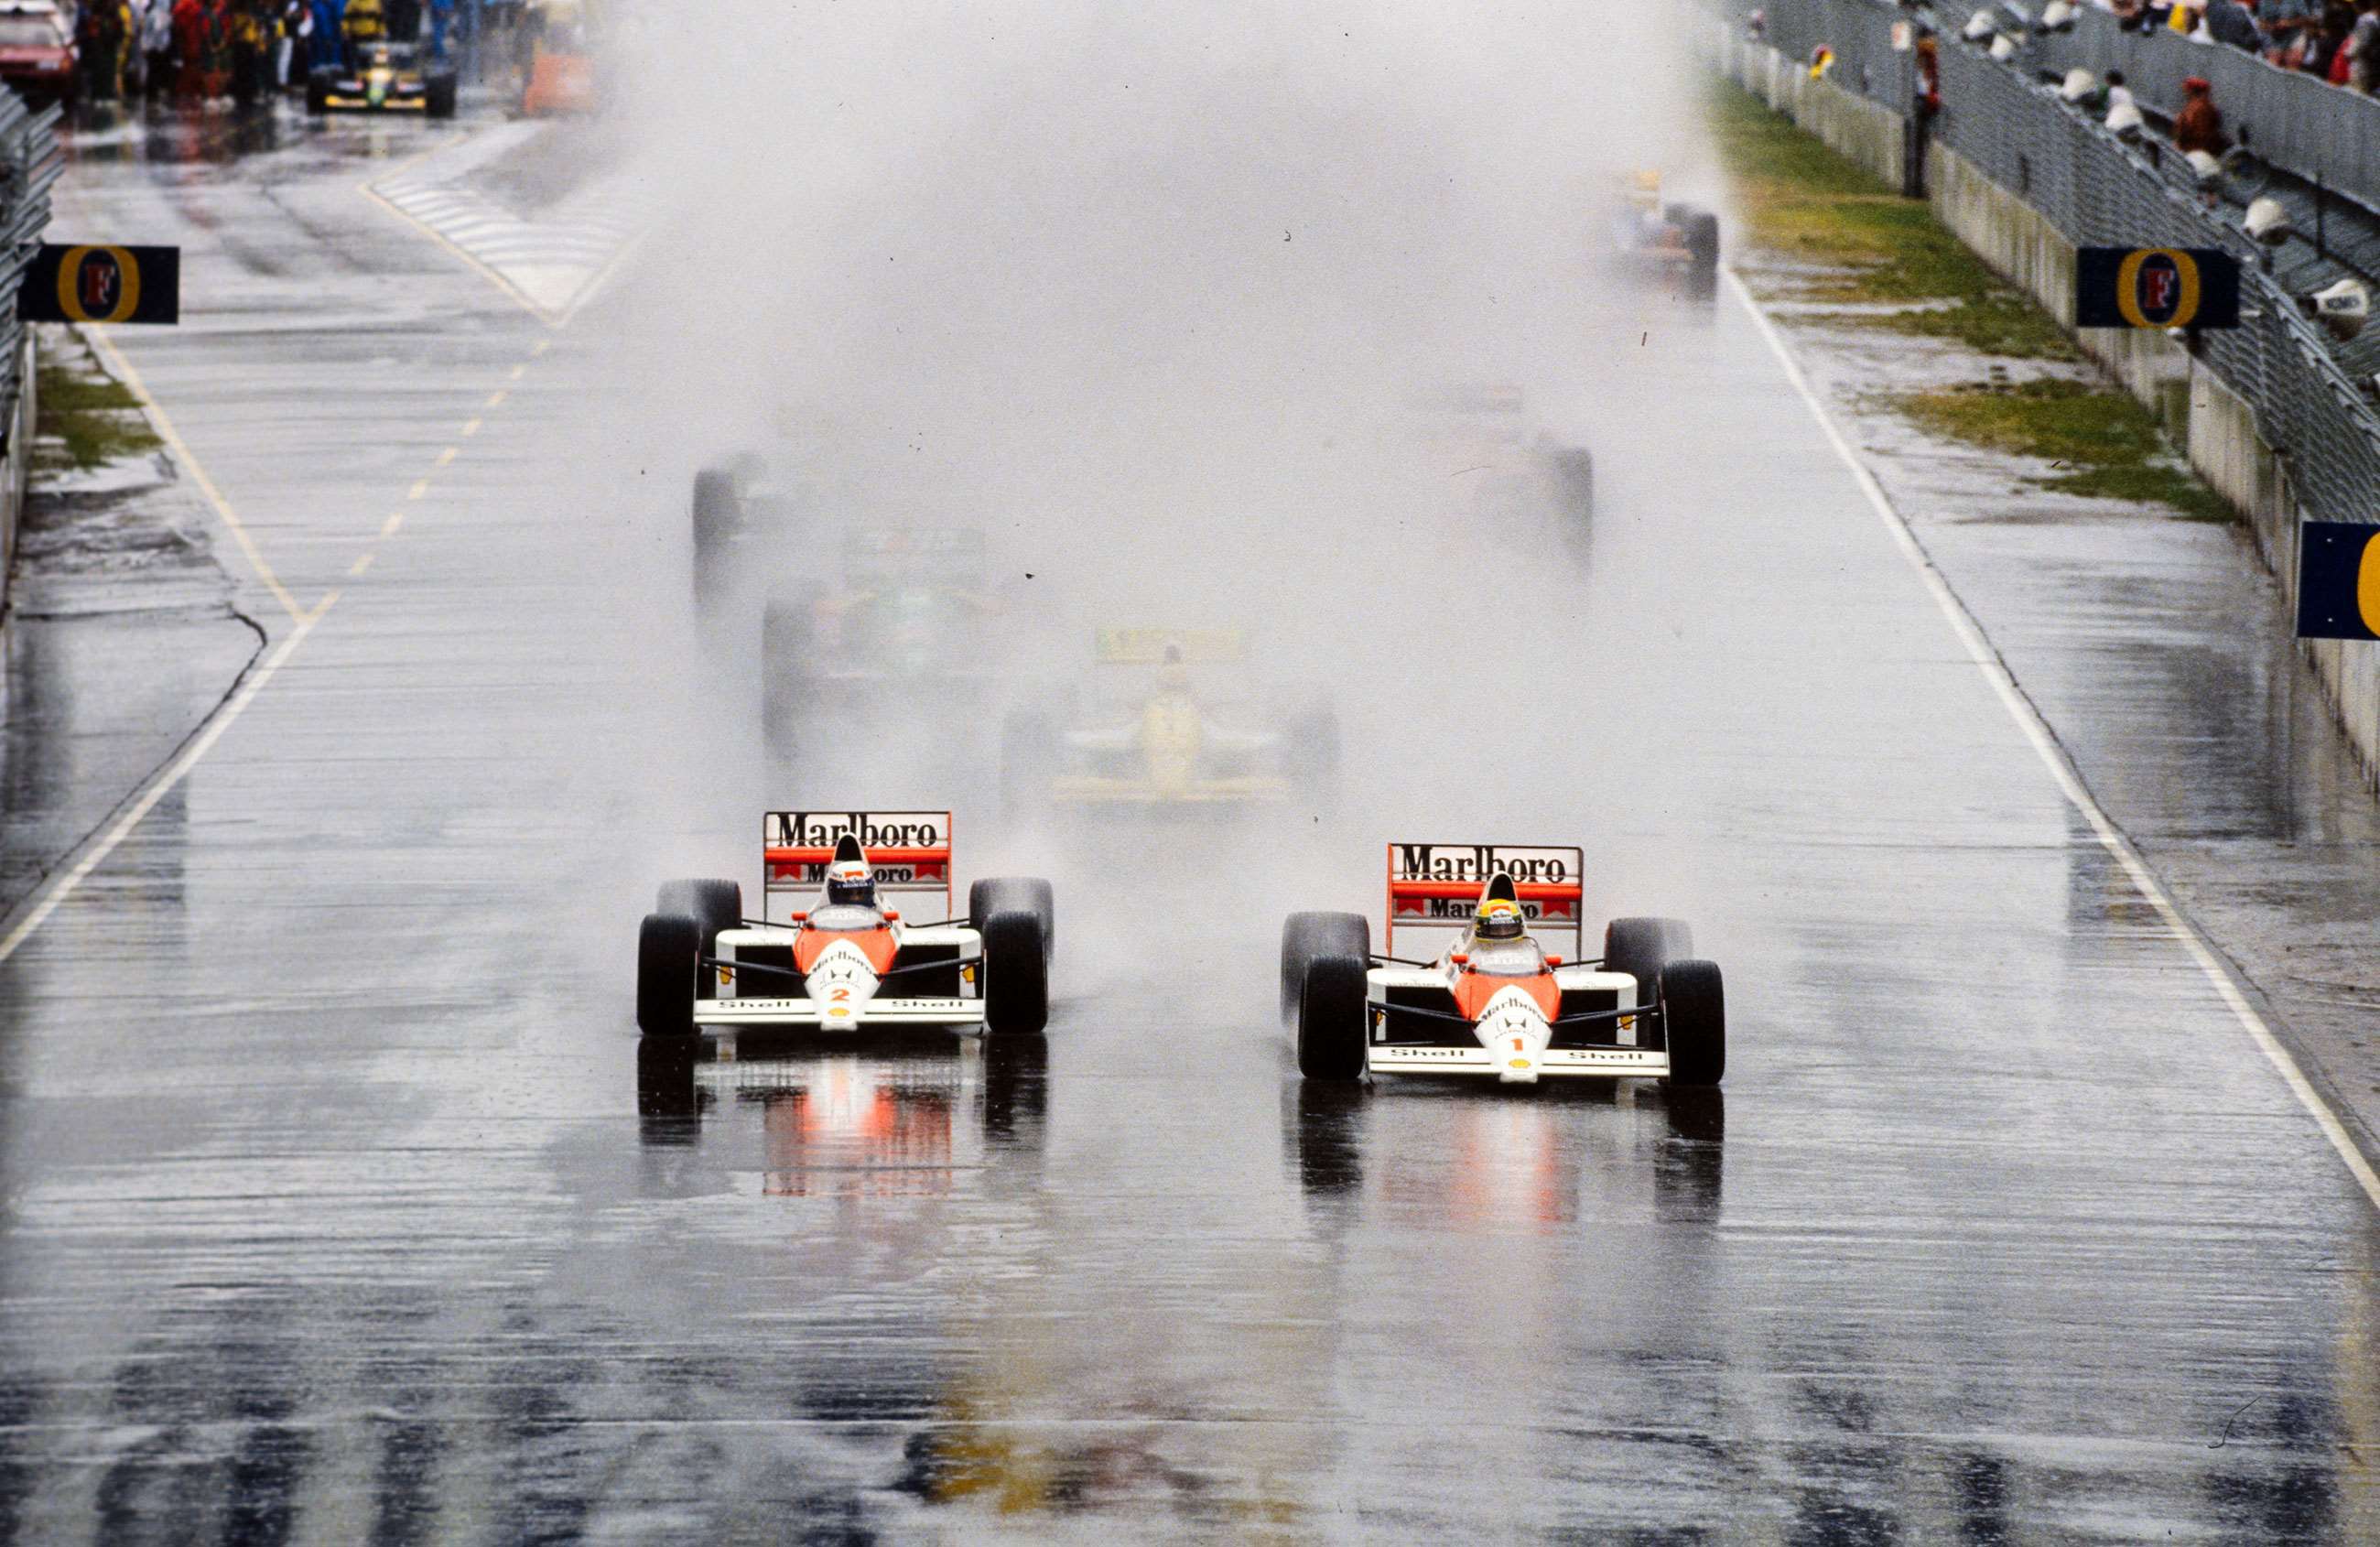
{"type": "Point", "coordinates": [341, 1202]}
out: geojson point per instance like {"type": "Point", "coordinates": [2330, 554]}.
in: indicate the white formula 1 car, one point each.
{"type": "Point", "coordinates": [1491, 1000]}
{"type": "Point", "coordinates": [848, 959]}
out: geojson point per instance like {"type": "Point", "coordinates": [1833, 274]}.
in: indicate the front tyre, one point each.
{"type": "Point", "coordinates": [713, 906]}
{"type": "Point", "coordinates": [668, 974]}
{"type": "Point", "coordinates": [1331, 1019]}
{"type": "Point", "coordinates": [997, 894]}
{"type": "Point", "coordinates": [1015, 975]}
{"type": "Point", "coordinates": [1307, 937]}
{"type": "Point", "coordinates": [1694, 1017]}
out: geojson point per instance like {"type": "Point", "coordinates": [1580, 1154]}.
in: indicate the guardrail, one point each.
{"type": "Point", "coordinates": [31, 164]}
{"type": "Point", "coordinates": [2273, 421]}
{"type": "Point", "coordinates": [2297, 122]}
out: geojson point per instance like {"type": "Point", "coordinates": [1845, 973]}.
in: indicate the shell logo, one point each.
{"type": "Point", "coordinates": [1520, 1063]}
{"type": "Point", "coordinates": [2367, 586]}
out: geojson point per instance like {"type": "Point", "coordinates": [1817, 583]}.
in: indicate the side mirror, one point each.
{"type": "Point", "coordinates": [1460, 958]}
{"type": "Point", "coordinates": [1553, 961]}
{"type": "Point", "coordinates": [801, 918]}
{"type": "Point", "coordinates": [891, 915]}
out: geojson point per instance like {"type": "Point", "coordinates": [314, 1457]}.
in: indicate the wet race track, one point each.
{"type": "Point", "coordinates": [341, 1202]}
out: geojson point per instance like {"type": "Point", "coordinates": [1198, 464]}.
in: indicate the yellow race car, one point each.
{"type": "Point", "coordinates": [1163, 728]}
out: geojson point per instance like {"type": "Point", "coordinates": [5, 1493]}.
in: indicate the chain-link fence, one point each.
{"type": "Point", "coordinates": [30, 165]}
{"type": "Point", "coordinates": [2096, 190]}
{"type": "Point", "coordinates": [2295, 121]}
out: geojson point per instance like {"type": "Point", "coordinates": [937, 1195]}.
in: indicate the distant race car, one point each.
{"type": "Point", "coordinates": [902, 632]}
{"type": "Point", "coordinates": [849, 961]}
{"type": "Point", "coordinates": [1673, 247]}
{"type": "Point", "coordinates": [38, 55]}
{"type": "Point", "coordinates": [880, 630]}
{"type": "Point", "coordinates": [1163, 728]}
{"type": "Point", "coordinates": [1520, 475]}
{"type": "Point", "coordinates": [387, 78]}
{"type": "Point", "coordinates": [1479, 993]}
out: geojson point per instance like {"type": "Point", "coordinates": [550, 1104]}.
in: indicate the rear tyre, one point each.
{"type": "Point", "coordinates": [997, 894]}
{"type": "Point", "coordinates": [1700, 229]}
{"type": "Point", "coordinates": [438, 96]}
{"type": "Point", "coordinates": [1313, 758]}
{"type": "Point", "coordinates": [715, 509]}
{"type": "Point", "coordinates": [1694, 1017]}
{"type": "Point", "coordinates": [317, 93]}
{"type": "Point", "coordinates": [667, 974]}
{"type": "Point", "coordinates": [784, 645]}
{"type": "Point", "coordinates": [1028, 765]}
{"type": "Point", "coordinates": [714, 906]}
{"type": "Point", "coordinates": [1307, 937]}
{"type": "Point", "coordinates": [1331, 1019]}
{"type": "Point", "coordinates": [1015, 975]}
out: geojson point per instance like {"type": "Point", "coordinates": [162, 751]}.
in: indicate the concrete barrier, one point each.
{"type": "Point", "coordinates": [16, 468]}
{"type": "Point", "coordinates": [2215, 428]}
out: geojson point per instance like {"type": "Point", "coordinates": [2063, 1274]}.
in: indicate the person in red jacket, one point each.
{"type": "Point", "coordinates": [2198, 126]}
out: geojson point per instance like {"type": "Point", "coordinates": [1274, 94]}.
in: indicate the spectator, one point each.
{"type": "Point", "coordinates": [2363, 49]}
{"type": "Point", "coordinates": [157, 45]}
{"type": "Point", "coordinates": [2326, 47]}
{"type": "Point", "coordinates": [442, 16]}
{"type": "Point", "coordinates": [2288, 25]}
{"type": "Point", "coordinates": [2119, 94]}
{"type": "Point", "coordinates": [2199, 127]}
{"type": "Point", "coordinates": [2227, 22]}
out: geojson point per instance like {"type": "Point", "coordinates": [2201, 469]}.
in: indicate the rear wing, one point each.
{"type": "Point", "coordinates": [909, 851]}
{"type": "Point", "coordinates": [1149, 647]}
{"type": "Point", "coordinates": [941, 552]}
{"type": "Point", "coordinates": [1434, 889]}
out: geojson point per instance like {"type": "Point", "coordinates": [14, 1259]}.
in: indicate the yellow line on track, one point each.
{"type": "Point", "coordinates": [183, 454]}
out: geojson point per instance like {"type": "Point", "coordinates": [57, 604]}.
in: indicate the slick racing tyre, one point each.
{"type": "Point", "coordinates": [715, 515]}
{"type": "Point", "coordinates": [995, 894]}
{"type": "Point", "coordinates": [1700, 229]}
{"type": "Point", "coordinates": [438, 93]}
{"type": "Point", "coordinates": [1694, 1017]}
{"type": "Point", "coordinates": [1313, 758]}
{"type": "Point", "coordinates": [1307, 937]}
{"type": "Point", "coordinates": [667, 971]}
{"type": "Point", "coordinates": [1330, 1017]}
{"type": "Point", "coordinates": [318, 92]}
{"type": "Point", "coordinates": [1015, 975]}
{"type": "Point", "coordinates": [713, 905]}
{"type": "Point", "coordinates": [784, 645]}
{"type": "Point", "coordinates": [1641, 947]}
{"type": "Point", "coordinates": [1028, 765]}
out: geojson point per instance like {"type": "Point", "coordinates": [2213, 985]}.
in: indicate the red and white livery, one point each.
{"type": "Point", "coordinates": [834, 948]}
{"type": "Point", "coordinates": [1467, 984]}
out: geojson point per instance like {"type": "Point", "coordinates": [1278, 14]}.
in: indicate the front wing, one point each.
{"type": "Point", "coordinates": [1415, 1058]}
{"type": "Point", "coordinates": [798, 1011]}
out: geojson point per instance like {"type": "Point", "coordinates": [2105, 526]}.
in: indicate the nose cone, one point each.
{"type": "Point", "coordinates": [841, 983]}
{"type": "Point", "coordinates": [1515, 1031]}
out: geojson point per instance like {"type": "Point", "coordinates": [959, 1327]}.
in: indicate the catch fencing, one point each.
{"type": "Point", "coordinates": [2273, 419]}
{"type": "Point", "coordinates": [31, 162]}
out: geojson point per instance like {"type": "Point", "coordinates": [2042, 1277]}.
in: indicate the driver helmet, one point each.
{"type": "Point", "coordinates": [1174, 672]}
{"type": "Point", "coordinates": [849, 882]}
{"type": "Point", "coordinates": [1499, 918]}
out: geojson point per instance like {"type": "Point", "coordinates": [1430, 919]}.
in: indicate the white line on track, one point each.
{"type": "Point", "coordinates": [2061, 768]}
{"type": "Point", "coordinates": [176, 772]}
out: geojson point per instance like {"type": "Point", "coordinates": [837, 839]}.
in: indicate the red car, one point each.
{"type": "Point", "coordinates": [37, 55]}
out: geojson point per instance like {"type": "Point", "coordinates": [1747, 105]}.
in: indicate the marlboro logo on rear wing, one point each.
{"type": "Point", "coordinates": [1434, 889]}
{"type": "Point", "coordinates": [909, 851]}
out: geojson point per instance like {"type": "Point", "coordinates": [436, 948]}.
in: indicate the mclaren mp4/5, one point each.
{"type": "Point", "coordinates": [846, 958]}
{"type": "Point", "coordinates": [1480, 994]}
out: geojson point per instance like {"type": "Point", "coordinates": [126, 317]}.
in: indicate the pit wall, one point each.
{"type": "Point", "coordinates": [2214, 426]}
{"type": "Point", "coordinates": [16, 470]}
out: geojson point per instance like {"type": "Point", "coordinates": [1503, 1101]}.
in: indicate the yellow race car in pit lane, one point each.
{"type": "Point", "coordinates": [385, 78]}
{"type": "Point", "coordinates": [1158, 730]}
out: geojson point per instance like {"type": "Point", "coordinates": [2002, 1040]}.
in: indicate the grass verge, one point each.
{"type": "Point", "coordinates": [87, 418]}
{"type": "Point", "coordinates": [1862, 242]}
{"type": "Point", "coordinates": [2110, 445]}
